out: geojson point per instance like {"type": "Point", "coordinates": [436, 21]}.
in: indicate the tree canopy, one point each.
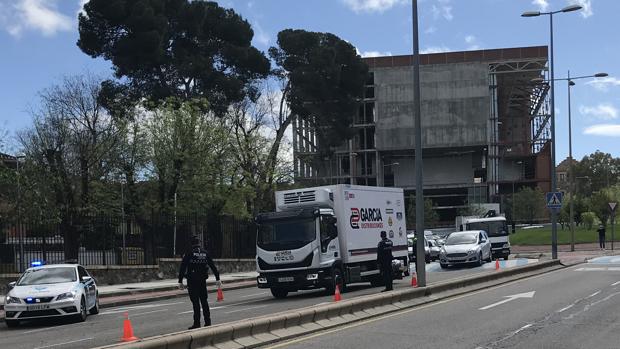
{"type": "Point", "coordinates": [173, 48]}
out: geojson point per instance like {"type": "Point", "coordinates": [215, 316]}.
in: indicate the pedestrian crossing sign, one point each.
{"type": "Point", "coordinates": [554, 200]}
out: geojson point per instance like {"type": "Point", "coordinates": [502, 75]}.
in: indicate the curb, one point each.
{"type": "Point", "coordinates": [238, 284]}
{"type": "Point", "coordinates": [260, 331]}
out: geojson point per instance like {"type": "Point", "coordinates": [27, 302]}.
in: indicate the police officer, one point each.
{"type": "Point", "coordinates": [194, 267]}
{"type": "Point", "coordinates": [384, 259]}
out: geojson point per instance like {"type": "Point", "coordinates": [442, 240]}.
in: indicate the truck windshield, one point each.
{"type": "Point", "coordinates": [286, 235]}
{"type": "Point", "coordinates": [493, 228]}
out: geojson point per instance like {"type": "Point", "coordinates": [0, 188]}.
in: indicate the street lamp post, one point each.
{"type": "Point", "coordinates": [554, 217]}
{"type": "Point", "coordinates": [19, 214]}
{"type": "Point", "coordinates": [571, 174]}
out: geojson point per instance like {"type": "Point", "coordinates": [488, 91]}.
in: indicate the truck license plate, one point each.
{"type": "Point", "coordinates": [286, 279]}
{"type": "Point", "coordinates": [37, 307]}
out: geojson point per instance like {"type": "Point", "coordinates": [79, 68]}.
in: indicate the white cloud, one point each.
{"type": "Point", "coordinates": [603, 111]}
{"type": "Point", "coordinates": [611, 130]}
{"type": "Point", "coordinates": [81, 7]}
{"type": "Point", "coordinates": [443, 9]}
{"type": "Point", "coordinates": [434, 49]}
{"type": "Point", "coordinates": [260, 35]}
{"type": "Point", "coordinates": [430, 30]}
{"type": "Point", "coordinates": [472, 42]}
{"type": "Point", "coordinates": [542, 5]}
{"type": "Point", "coordinates": [375, 53]}
{"type": "Point", "coordinates": [36, 15]}
{"type": "Point", "coordinates": [603, 84]}
{"type": "Point", "coordinates": [372, 5]}
{"type": "Point", "coordinates": [586, 11]}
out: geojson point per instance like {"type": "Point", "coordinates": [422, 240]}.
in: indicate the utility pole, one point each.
{"type": "Point", "coordinates": [419, 189]}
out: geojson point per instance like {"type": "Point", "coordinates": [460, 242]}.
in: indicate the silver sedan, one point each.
{"type": "Point", "coordinates": [466, 247]}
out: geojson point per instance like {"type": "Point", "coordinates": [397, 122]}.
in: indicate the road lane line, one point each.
{"type": "Point", "coordinates": [210, 308]}
{"type": "Point", "coordinates": [238, 310]}
{"type": "Point", "coordinates": [565, 308]}
{"type": "Point", "coordinates": [616, 283]}
{"type": "Point", "coordinates": [148, 312]}
{"type": "Point", "coordinates": [59, 344]}
{"type": "Point", "coordinates": [415, 308]}
{"type": "Point", "coordinates": [523, 328]}
{"type": "Point", "coordinates": [40, 330]}
{"type": "Point", "coordinates": [593, 294]}
{"type": "Point", "coordinates": [254, 295]}
{"type": "Point", "coordinates": [146, 306]}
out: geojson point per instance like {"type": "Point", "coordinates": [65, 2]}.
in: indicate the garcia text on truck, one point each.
{"type": "Point", "coordinates": [370, 218]}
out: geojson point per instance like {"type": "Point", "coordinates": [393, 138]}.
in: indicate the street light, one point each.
{"type": "Point", "coordinates": [571, 179]}
{"type": "Point", "coordinates": [554, 218]}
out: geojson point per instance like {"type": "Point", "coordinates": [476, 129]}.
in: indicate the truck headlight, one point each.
{"type": "Point", "coordinates": [66, 295]}
{"type": "Point", "coordinates": [506, 245]}
{"type": "Point", "coordinates": [262, 280]}
{"type": "Point", "coordinates": [312, 277]}
{"type": "Point", "coordinates": [12, 300]}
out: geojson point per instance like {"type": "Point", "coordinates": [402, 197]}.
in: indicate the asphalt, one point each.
{"type": "Point", "coordinates": [575, 307]}
{"type": "Point", "coordinates": [171, 315]}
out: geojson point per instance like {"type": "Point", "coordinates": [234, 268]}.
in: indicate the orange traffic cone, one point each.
{"type": "Point", "coordinates": [497, 264]}
{"type": "Point", "coordinates": [128, 331]}
{"type": "Point", "coordinates": [414, 280]}
{"type": "Point", "coordinates": [337, 296]}
{"type": "Point", "coordinates": [220, 294]}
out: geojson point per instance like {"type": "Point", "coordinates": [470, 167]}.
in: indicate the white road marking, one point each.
{"type": "Point", "coordinates": [254, 295]}
{"type": "Point", "coordinates": [149, 312]}
{"type": "Point", "coordinates": [523, 328]}
{"type": "Point", "coordinates": [244, 309]}
{"type": "Point", "coordinates": [613, 268]}
{"type": "Point", "coordinates": [616, 283]}
{"type": "Point", "coordinates": [146, 306]}
{"type": "Point", "coordinates": [59, 344]}
{"type": "Point", "coordinates": [510, 298]}
{"type": "Point", "coordinates": [593, 294]}
{"type": "Point", "coordinates": [40, 330]}
{"type": "Point", "coordinates": [210, 308]}
{"type": "Point", "coordinates": [565, 308]}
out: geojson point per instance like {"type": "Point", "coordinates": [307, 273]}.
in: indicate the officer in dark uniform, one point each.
{"type": "Point", "coordinates": [195, 268]}
{"type": "Point", "coordinates": [384, 259]}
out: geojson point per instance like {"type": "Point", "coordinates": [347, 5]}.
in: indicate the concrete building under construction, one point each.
{"type": "Point", "coordinates": [485, 127]}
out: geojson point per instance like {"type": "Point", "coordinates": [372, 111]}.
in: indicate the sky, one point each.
{"type": "Point", "coordinates": [38, 41]}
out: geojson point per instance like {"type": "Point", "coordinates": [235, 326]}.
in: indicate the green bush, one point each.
{"type": "Point", "coordinates": [588, 219]}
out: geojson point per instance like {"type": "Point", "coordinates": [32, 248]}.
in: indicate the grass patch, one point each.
{"type": "Point", "coordinates": [542, 236]}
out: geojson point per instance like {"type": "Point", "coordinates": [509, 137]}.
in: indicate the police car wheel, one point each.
{"type": "Point", "coordinates": [443, 266]}
{"type": "Point", "coordinates": [81, 317]}
{"type": "Point", "coordinates": [12, 323]}
{"type": "Point", "coordinates": [95, 309]}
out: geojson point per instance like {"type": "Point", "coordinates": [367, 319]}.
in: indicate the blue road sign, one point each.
{"type": "Point", "coordinates": [554, 200]}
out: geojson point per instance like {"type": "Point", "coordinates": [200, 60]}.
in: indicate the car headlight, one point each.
{"type": "Point", "coordinates": [12, 300]}
{"type": "Point", "coordinates": [471, 252]}
{"type": "Point", "coordinates": [506, 245]}
{"type": "Point", "coordinates": [66, 295]}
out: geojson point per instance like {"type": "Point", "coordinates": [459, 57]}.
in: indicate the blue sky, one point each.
{"type": "Point", "coordinates": [38, 39]}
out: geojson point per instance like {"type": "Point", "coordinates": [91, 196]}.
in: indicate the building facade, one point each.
{"type": "Point", "coordinates": [485, 129]}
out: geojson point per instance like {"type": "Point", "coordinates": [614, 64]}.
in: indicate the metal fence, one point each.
{"type": "Point", "coordinates": [114, 240]}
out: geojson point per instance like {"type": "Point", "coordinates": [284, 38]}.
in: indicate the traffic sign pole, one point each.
{"type": "Point", "coordinates": [612, 208]}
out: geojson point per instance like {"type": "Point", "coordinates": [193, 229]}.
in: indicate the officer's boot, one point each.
{"type": "Point", "coordinates": [207, 322]}
{"type": "Point", "coordinates": [195, 325]}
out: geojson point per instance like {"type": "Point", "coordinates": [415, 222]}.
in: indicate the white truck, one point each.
{"type": "Point", "coordinates": [325, 236]}
{"type": "Point", "coordinates": [495, 227]}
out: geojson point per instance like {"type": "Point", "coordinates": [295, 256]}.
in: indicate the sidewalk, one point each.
{"type": "Point", "coordinates": [124, 294]}
{"type": "Point", "coordinates": [582, 253]}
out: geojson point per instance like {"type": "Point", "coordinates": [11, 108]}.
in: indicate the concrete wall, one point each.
{"type": "Point", "coordinates": [455, 106]}
{"type": "Point", "coordinates": [438, 171]}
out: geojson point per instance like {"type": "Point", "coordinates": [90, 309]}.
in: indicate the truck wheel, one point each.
{"type": "Point", "coordinates": [376, 280]}
{"type": "Point", "coordinates": [279, 293]}
{"type": "Point", "coordinates": [11, 323]}
{"type": "Point", "coordinates": [337, 278]}
{"type": "Point", "coordinates": [506, 257]}
{"type": "Point", "coordinates": [443, 266]}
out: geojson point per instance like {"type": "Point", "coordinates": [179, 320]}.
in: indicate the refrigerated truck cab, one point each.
{"type": "Point", "coordinates": [322, 236]}
{"type": "Point", "coordinates": [496, 229]}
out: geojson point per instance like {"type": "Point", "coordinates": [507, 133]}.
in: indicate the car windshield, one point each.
{"type": "Point", "coordinates": [493, 228]}
{"type": "Point", "coordinates": [47, 276]}
{"type": "Point", "coordinates": [462, 239]}
{"type": "Point", "coordinates": [290, 234]}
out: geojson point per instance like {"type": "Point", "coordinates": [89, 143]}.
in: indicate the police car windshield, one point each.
{"type": "Point", "coordinates": [493, 228]}
{"type": "Point", "coordinates": [286, 234]}
{"type": "Point", "coordinates": [47, 276]}
{"type": "Point", "coordinates": [462, 239]}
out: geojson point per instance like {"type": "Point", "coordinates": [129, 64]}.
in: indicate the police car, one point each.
{"type": "Point", "coordinates": [51, 291]}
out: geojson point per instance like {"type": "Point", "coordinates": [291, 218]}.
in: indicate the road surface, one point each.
{"type": "Point", "coordinates": [156, 318]}
{"type": "Point", "coordinates": [576, 307]}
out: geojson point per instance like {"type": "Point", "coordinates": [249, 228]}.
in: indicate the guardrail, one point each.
{"type": "Point", "coordinates": [265, 330]}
